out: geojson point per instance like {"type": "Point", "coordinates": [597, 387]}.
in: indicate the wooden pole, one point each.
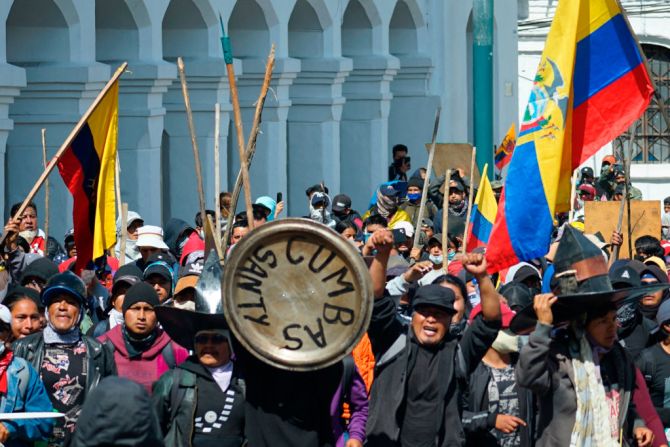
{"type": "Point", "coordinates": [217, 173]}
{"type": "Point", "coordinates": [426, 181]}
{"type": "Point", "coordinates": [471, 197]}
{"type": "Point", "coordinates": [626, 161]}
{"type": "Point", "coordinates": [46, 190]}
{"type": "Point", "coordinates": [124, 233]}
{"type": "Point", "coordinates": [194, 140]}
{"type": "Point", "coordinates": [237, 115]}
{"type": "Point", "coordinates": [626, 168]}
{"type": "Point", "coordinates": [445, 223]}
{"type": "Point", "coordinates": [66, 144]}
{"type": "Point", "coordinates": [251, 145]}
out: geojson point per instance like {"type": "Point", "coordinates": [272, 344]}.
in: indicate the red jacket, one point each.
{"type": "Point", "coordinates": [150, 366]}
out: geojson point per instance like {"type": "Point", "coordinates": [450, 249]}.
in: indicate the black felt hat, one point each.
{"type": "Point", "coordinates": [582, 283]}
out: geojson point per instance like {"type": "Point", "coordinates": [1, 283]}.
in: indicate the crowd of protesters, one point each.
{"type": "Point", "coordinates": [570, 349]}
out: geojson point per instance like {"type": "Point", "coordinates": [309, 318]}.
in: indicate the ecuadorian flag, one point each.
{"type": "Point", "coordinates": [504, 152]}
{"type": "Point", "coordinates": [88, 168]}
{"type": "Point", "coordinates": [483, 214]}
{"type": "Point", "coordinates": [591, 84]}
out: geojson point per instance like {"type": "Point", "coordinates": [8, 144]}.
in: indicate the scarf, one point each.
{"type": "Point", "coordinates": [458, 209]}
{"type": "Point", "coordinates": [136, 346]}
{"type": "Point", "coordinates": [592, 419]}
{"type": "Point", "coordinates": [4, 364]}
{"type": "Point", "coordinates": [222, 375]}
{"type": "Point", "coordinates": [70, 337]}
{"type": "Point", "coordinates": [115, 318]}
{"type": "Point", "coordinates": [386, 206]}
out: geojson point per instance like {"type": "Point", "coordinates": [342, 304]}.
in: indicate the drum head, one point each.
{"type": "Point", "coordinates": [297, 295]}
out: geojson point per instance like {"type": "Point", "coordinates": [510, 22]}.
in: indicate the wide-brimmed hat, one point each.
{"type": "Point", "coordinates": [582, 283]}
{"type": "Point", "coordinates": [151, 236]}
{"type": "Point", "coordinates": [181, 324]}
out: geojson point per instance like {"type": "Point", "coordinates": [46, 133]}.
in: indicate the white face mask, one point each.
{"type": "Point", "coordinates": [506, 342]}
{"type": "Point", "coordinates": [28, 235]}
{"type": "Point", "coordinates": [435, 259]}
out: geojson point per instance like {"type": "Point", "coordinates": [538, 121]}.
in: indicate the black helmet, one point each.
{"type": "Point", "coordinates": [66, 282]}
{"type": "Point", "coordinates": [587, 172]}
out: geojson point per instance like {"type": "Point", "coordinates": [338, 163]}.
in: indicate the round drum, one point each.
{"type": "Point", "coordinates": [297, 295]}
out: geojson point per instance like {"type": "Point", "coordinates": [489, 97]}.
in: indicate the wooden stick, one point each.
{"type": "Point", "coordinates": [46, 190]}
{"type": "Point", "coordinates": [244, 165]}
{"type": "Point", "coordinates": [626, 168]}
{"type": "Point", "coordinates": [251, 145]}
{"type": "Point", "coordinates": [617, 249]}
{"type": "Point", "coordinates": [194, 140]}
{"type": "Point", "coordinates": [426, 181]}
{"type": "Point", "coordinates": [66, 144]}
{"type": "Point", "coordinates": [471, 197]}
{"type": "Point", "coordinates": [445, 224]}
{"type": "Point", "coordinates": [217, 173]}
{"type": "Point", "coordinates": [124, 233]}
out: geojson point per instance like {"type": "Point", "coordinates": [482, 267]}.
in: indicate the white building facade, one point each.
{"type": "Point", "coordinates": [650, 167]}
{"type": "Point", "coordinates": [352, 78]}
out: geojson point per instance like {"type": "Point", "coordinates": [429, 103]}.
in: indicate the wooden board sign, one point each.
{"type": "Point", "coordinates": [454, 156]}
{"type": "Point", "coordinates": [603, 217]}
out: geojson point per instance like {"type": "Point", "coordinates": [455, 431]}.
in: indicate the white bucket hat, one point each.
{"type": "Point", "coordinates": [151, 236]}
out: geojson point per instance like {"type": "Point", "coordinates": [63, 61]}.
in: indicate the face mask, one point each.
{"type": "Point", "coordinates": [506, 342]}
{"type": "Point", "coordinates": [413, 197]}
{"type": "Point", "coordinates": [28, 235]}
{"type": "Point", "coordinates": [435, 259]}
{"type": "Point", "coordinates": [317, 215]}
{"type": "Point", "coordinates": [625, 315]}
{"type": "Point", "coordinates": [451, 254]}
{"type": "Point", "coordinates": [188, 305]}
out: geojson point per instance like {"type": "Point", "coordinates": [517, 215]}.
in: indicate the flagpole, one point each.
{"type": "Point", "coordinates": [46, 191]}
{"type": "Point", "coordinates": [626, 161]}
{"type": "Point", "coordinates": [470, 197]}
{"type": "Point", "coordinates": [573, 190]}
{"type": "Point", "coordinates": [426, 181]}
{"type": "Point", "coordinates": [445, 222]}
{"type": "Point", "coordinates": [66, 144]}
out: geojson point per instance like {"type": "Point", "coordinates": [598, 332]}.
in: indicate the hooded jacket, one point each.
{"type": "Point", "coordinates": [117, 413]}
{"type": "Point", "coordinates": [173, 229]}
{"type": "Point", "coordinates": [132, 251]}
{"type": "Point", "coordinates": [151, 364]}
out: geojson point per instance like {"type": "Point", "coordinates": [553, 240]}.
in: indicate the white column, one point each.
{"type": "Point", "coordinates": [314, 128]}
{"type": "Point", "coordinates": [364, 128]}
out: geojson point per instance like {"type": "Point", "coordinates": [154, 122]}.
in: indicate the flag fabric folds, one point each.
{"type": "Point", "coordinates": [88, 168]}
{"type": "Point", "coordinates": [483, 214]}
{"type": "Point", "coordinates": [591, 84]}
{"type": "Point", "coordinates": [504, 152]}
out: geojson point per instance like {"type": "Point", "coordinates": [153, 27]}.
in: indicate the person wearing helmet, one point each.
{"type": "Point", "coordinates": [69, 363]}
{"type": "Point", "coordinates": [587, 176]}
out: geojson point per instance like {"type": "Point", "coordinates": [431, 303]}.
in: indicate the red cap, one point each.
{"type": "Point", "coordinates": [507, 314]}
{"type": "Point", "coordinates": [666, 247]}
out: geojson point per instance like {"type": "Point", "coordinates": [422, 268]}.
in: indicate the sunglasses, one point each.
{"type": "Point", "coordinates": [210, 338]}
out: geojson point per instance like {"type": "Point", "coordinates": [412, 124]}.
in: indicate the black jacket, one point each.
{"type": "Point", "coordinates": [175, 404]}
{"type": "Point", "coordinates": [391, 345]}
{"type": "Point", "coordinates": [117, 413]}
{"type": "Point", "coordinates": [100, 358]}
{"type": "Point", "coordinates": [478, 421]}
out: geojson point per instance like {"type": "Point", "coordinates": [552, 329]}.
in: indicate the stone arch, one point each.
{"type": "Point", "coordinates": [248, 29]}
{"type": "Point", "coordinates": [305, 32]}
{"type": "Point", "coordinates": [357, 29]}
{"type": "Point", "coordinates": [185, 30]}
{"type": "Point", "coordinates": [27, 31]}
{"type": "Point", "coordinates": [116, 32]}
{"type": "Point", "coordinates": [403, 36]}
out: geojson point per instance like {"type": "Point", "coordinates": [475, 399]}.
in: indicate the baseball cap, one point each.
{"type": "Point", "coordinates": [434, 295]}
{"type": "Point", "coordinates": [341, 202]}
{"type": "Point", "coordinates": [456, 184]}
{"type": "Point", "coordinates": [663, 313]}
{"type": "Point", "coordinates": [624, 277]}
{"type": "Point", "coordinates": [158, 264]}
{"type": "Point", "coordinates": [389, 191]}
{"type": "Point", "coordinates": [407, 227]}
{"type": "Point", "coordinates": [151, 236]}
{"type": "Point", "coordinates": [129, 274]}
{"type": "Point", "coordinates": [188, 276]}
{"type": "Point", "coordinates": [426, 222]}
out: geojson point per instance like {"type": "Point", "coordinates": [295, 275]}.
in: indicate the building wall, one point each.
{"type": "Point", "coordinates": [352, 78]}
{"type": "Point", "coordinates": [649, 20]}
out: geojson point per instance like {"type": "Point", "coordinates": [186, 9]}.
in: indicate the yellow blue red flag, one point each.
{"type": "Point", "coordinates": [591, 84]}
{"type": "Point", "coordinates": [504, 152]}
{"type": "Point", "coordinates": [88, 170]}
{"type": "Point", "coordinates": [483, 214]}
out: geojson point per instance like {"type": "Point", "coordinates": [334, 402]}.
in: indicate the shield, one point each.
{"type": "Point", "coordinates": [297, 295]}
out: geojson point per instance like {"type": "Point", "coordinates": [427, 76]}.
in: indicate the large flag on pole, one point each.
{"type": "Point", "coordinates": [483, 214]}
{"type": "Point", "coordinates": [88, 168]}
{"type": "Point", "coordinates": [504, 152]}
{"type": "Point", "coordinates": [591, 84]}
